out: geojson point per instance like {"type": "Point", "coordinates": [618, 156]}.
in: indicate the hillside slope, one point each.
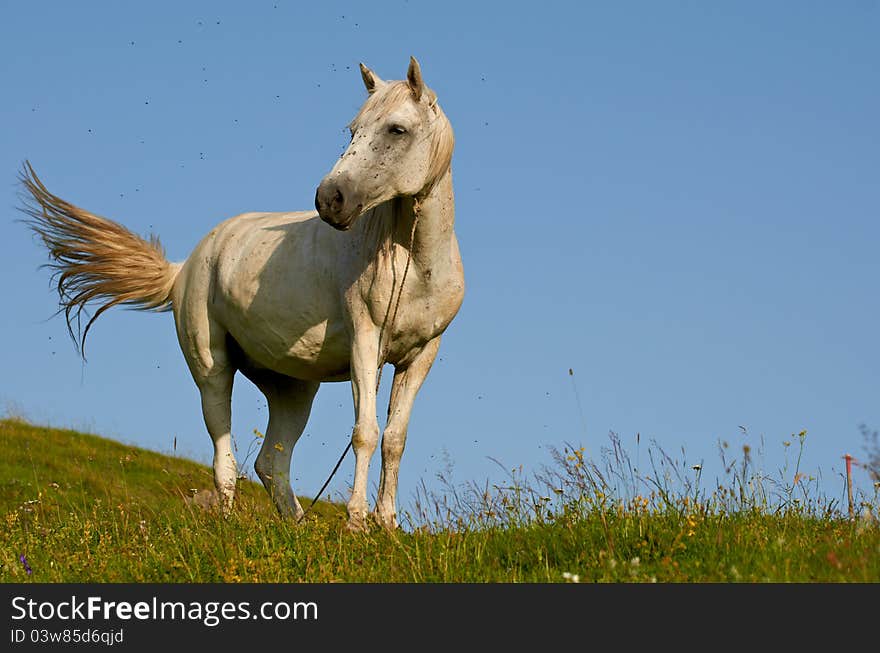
{"type": "Point", "coordinates": [67, 467]}
{"type": "Point", "coordinates": [80, 507]}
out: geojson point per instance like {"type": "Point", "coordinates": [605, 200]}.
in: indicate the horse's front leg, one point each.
{"type": "Point", "coordinates": [365, 437]}
{"type": "Point", "coordinates": [407, 382]}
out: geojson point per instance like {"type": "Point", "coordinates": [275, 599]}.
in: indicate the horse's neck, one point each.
{"type": "Point", "coordinates": [389, 228]}
{"type": "Point", "coordinates": [434, 219]}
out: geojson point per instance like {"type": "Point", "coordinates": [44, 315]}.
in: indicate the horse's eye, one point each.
{"type": "Point", "coordinates": [397, 130]}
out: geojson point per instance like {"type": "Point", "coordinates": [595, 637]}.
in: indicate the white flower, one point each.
{"type": "Point", "coordinates": [571, 578]}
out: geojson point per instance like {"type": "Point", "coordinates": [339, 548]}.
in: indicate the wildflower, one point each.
{"type": "Point", "coordinates": [571, 578]}
{"type": "Point", "coordinates": [635, 562]}
{"type": "Point", "coordinates": [577, 458]}
{"type": "Point", "coordinates": [27, 567]}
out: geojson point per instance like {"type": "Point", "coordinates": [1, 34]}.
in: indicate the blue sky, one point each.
{"type": "Point", "coordinates": [678, 201]}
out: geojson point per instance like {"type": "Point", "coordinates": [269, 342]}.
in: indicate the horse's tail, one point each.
{"type": "Point", "coordinates": [96, 259]}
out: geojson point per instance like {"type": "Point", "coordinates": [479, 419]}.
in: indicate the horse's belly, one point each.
{"type": "Point", "coordinates": [279, 303]}
{"type": "Point", "coordinates": [292, 328]}
{"type": "Point", "coordinates": [319, 352]}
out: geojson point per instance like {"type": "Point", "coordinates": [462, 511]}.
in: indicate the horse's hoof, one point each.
{"type": "Point", "coordinates": [357, 525]}
{"type": "Point", "coordinates": [289, 514]}
{"type": "Point", "coordinates": [292, 518]}
{"type": "Point", "coordinates": [388, 523]}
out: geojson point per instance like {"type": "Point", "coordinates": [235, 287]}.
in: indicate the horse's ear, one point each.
{"type": "Point", "coordinates": [414, 78]}
{"type": "Point", "coordinates": [371, 80]}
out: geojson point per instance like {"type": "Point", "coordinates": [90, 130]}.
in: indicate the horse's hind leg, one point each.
{"type": "Point", "coordinates": [290, 402]}
{"type": "Point", "coordinates": [216, 391]}
{"type": "Point", "coordinates": [203, 342]}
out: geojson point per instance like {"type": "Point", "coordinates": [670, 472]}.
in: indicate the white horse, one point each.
{"type": "Point", "coordinates": [289, 301]}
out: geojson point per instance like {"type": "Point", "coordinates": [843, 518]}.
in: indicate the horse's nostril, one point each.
{"type": "Point", "coordinates": [338, 199]}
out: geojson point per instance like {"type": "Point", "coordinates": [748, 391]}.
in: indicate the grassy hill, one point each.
{"type": "Point", "coordinates": [81, 508]}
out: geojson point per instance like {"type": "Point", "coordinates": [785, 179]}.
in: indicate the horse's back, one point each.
{"type": "Point", "coordinates": [245, 240]}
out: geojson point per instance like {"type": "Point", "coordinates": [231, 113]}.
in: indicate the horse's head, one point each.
{"type": "Point", "coordinates": [401, 145]}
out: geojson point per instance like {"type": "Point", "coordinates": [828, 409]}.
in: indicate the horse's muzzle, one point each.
{"type": "Point", "coordinates": [333, 206]}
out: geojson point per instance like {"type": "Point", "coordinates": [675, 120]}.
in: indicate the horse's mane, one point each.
{"type": "Point", "coordinates": [385, 100]}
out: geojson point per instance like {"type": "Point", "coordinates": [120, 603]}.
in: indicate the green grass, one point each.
{"type": "Point", "coordinates": [81, 508]}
